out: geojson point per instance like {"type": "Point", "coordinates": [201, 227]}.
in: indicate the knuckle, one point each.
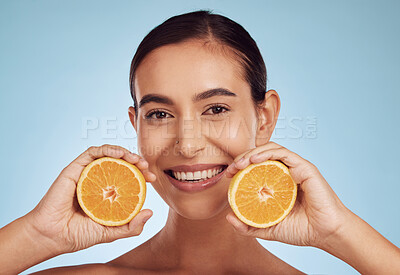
{"type": "Point", "coordinates": [278, 146]}
{"type": "Point", "coordinates": [275, 144]}
{"type": "Point", "coordinates": [311, 165]}
{"type": "Point", "coordinates": [108, 148]}
{"type": "Point", "coordinates": [281, 150]}
{"type": "Point", "coordinates": [65, 170]}
{"type": "Point", "coordinates": [116, 147]}
{"type": "Point", "coordinates": [105, 148]}
{"type": "Point", "coordinates": [249, 154]}
{"type": "Point", "coordinates": [92, 151]}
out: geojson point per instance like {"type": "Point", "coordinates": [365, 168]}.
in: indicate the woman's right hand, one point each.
{"type": "Point", "coordinates": [58, 219]}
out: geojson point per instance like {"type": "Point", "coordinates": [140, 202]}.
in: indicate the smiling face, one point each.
{"type": "Point", "coordinates": [197, 95]}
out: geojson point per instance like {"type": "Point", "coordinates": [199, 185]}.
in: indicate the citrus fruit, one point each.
{"type": "Point", "coordinates": [262, 194]}
{"type": "Point", "coordinates": [111, 191]}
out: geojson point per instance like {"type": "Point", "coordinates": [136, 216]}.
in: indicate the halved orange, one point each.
{"type": "Point", "coordinates": [111, 191]}
{"type": "Point", "coordinates": [262, 194]}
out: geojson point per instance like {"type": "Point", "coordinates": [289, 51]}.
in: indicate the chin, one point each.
{"type": "Point", "coordinates": [200, 210]}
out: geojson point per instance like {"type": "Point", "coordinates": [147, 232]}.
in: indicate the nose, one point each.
{"type": "Point", "coordinates": [191, 140]}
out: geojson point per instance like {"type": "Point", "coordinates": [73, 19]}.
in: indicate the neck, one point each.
{"type": "Point", "coordinates": [197, 242]}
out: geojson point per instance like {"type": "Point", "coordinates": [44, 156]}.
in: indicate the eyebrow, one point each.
{"type": "Point", "coordinates": [197, 97]}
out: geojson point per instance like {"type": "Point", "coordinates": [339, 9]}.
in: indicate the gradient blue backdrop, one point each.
{"type": "Point", "coordinates": [64, 69]}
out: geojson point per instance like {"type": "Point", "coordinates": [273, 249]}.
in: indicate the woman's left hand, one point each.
{"type": "Point", "coordinates": [318, 212]}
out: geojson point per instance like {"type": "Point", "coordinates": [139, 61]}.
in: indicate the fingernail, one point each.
{"type": "Point", "coordinates": [142, 161]}
{"type": "Point", "coordinates": [135, 156]}
{"type": "Point", "coordinates": [241, 160]}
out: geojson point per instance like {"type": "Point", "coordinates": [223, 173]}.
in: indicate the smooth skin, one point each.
{"type": "Point", "coordinates": [319, 218]}
{"type": "Point", "coordinates": [57, 225]}
{"type": "Point", "coordinates": [201, 235]}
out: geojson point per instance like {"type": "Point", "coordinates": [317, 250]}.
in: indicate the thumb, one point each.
{"type": "Point", "coordinates": [237, 224]}
{"type": "Point", "coordinates": [133, 228]}
{"type": "Point", "coordinates": [247, 230]}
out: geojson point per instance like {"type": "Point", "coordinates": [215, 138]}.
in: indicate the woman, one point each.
{"type": "Point", "coordinates": [198, 83]}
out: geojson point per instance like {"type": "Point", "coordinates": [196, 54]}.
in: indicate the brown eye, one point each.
{"type": "Point", "coordinates": [161, 114]}
{"type": "Point", "coordinates": [217, 110]}
{"type": "Point", "coordinates": [157, 115]}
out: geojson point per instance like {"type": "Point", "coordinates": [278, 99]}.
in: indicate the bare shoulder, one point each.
{"type": "Point", "coordinates": [96, 269]}
{"type": "Point", "coordinates": [86, 269]}
{"type": "Point", "coordinates": [138, 258]}
{"type": "Point", "coordinates": [145, 260]}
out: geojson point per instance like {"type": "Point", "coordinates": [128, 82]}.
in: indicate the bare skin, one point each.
{"type": "Point", "coordinates": [201, 235]}
{"type": "Point", "coordinates": [197, 232]}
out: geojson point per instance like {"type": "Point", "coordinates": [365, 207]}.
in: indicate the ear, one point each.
{"type": "Point", "coordinates": [132, 117]}
{"type": "Point", "coordinates": [268, 116]}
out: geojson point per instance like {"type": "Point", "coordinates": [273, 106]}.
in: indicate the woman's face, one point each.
{"type": "Point", "coordinates": [176, 88]}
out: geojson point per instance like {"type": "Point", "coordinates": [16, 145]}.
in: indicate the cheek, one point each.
{"type": "Point", "coordinates": [153, 140]}
{"type": "Point", "coordinates": [235, 134]}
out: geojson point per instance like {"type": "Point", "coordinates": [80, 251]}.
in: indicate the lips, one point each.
{"type": "Point", "coordinates": [195, 167]}
{"type": "Point", "coordinates": [194, 185]}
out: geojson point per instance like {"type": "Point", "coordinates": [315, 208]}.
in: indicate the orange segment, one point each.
{"type": "Point", "coordinates": [111, 191]}
{"type": "Point", "coordinates": [262, 194]}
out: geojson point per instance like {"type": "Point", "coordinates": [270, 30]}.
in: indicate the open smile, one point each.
{"type": "Point", "coordinates": [195, 177]}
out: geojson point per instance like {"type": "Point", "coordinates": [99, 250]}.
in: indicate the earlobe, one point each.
{"type": "Point", "coordinates": [268, 116]}
{"type": "Point", "coordinates": [132, 117]}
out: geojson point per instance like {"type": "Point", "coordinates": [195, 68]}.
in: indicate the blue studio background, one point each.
{"type": "Point", "coordinates": [64, 69]}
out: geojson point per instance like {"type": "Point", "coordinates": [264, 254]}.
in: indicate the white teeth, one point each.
{"type": "Point", "coordinates": [197, 175]}
{"type": "Point", "coordinates": [214, 172]}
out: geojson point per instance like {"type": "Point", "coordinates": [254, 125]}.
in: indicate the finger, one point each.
{"type": "Point", "coordinates": [257, 150]}
{"type": "Point", "coordinates": [95, 152]}
{"type": "Point", "coordinates": [130, 157]}
{"type": "Point", "coordinates": [246, 230]}
{"type": "Point", "coordinates": [149, 176]}
{"type": "Point", "coordinates": [73, 171]}
{"type": "Point", "coordinates": [243, 160]}
{"type": "Point", "coordinates": [143, 165]}
{"type": "Point", "coordinates": [234, 167]}
{"type": "Point", "coordinates": [140, 163]}
{"type": "Point", "coordinates": [237, 224]}
{"type": "Point", "coordinates": [133, 228]}
{"type": "Point", "coordinates": [75, 168]}
{"type": "Point", "coordinates": [284, 155]}
{"type": "Point", "coordinates": [134, 158]}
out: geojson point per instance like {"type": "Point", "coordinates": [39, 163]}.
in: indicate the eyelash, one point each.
{"type": "Point", "coordinates": [157, 111]}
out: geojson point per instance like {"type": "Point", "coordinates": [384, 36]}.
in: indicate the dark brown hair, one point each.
{"type": "Point", "coordinates": [204, 25]}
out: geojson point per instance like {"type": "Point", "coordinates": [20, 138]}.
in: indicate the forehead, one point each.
{"type": "Point", "coordinates": [189, 67]}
